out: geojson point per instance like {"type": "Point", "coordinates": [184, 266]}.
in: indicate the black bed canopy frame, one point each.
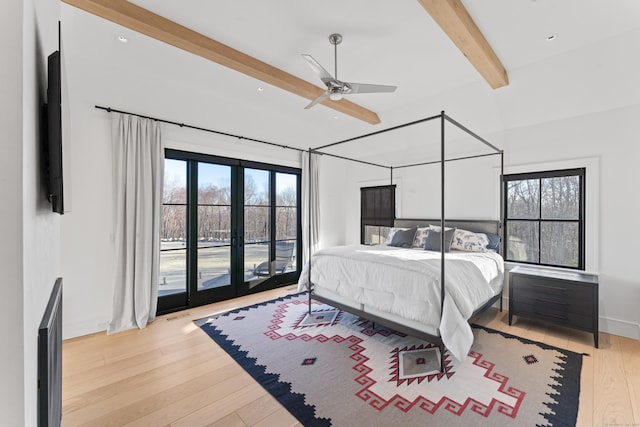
{"type": "Point", "coordinates": [443, 160]}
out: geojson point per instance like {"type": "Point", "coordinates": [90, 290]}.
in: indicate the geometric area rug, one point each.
{"type": "Point", "coordinates": [334, 368]}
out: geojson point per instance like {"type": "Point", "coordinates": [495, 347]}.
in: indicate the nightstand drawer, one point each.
{"type": "Point", "coordinates": [555, 313]}
{"type": "Point", "coordinates": [569, 301]}
{"type": "Point", "coordinates": [553, 290]}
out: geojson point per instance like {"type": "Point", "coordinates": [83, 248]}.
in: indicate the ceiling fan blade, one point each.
{"type": "Point", "coordinates": [317, 100]}
{"type": "Point", "coordinates": [319, 69]}
{"type": "Point", "coordinates": [368, 88]}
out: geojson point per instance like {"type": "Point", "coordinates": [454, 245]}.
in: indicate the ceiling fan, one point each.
{"type": "Point", "coordinates": [336, 88]}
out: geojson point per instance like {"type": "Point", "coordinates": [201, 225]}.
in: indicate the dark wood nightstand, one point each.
{"type": "Point", "coordinates": [565, 298]}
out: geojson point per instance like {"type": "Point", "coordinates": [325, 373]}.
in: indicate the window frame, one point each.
{"type": "Point", "coordinates": [581, 173]}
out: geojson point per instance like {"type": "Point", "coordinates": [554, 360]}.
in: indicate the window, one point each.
{"type": "Point", "coordinates": [377, 213]}
{"type": "Point", "coordinates": [544, 218]}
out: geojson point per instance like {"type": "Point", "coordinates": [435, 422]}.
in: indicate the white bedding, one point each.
{"type": "Point", "coordinates": [406, 284]}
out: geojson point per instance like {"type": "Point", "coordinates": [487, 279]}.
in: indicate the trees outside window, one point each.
{"type": "Point", "coordinates": [544, 218]}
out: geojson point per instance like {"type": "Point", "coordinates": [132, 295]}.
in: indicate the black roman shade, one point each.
{"type": "Point", "coordinates": [377, 205]}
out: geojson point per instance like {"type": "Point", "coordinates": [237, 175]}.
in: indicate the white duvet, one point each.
{"type": "Point", "coordinates": [406, 283]}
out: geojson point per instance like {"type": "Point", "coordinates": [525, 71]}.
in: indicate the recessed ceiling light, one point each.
{"type": "Point", "coordinates": [551, 38]}
{"type": "Point", "coordinates": [260, 89]}
{"type": "Point", "coordinates": [122, 39]}
{"type": "Point", "coordinates": [336, 117]}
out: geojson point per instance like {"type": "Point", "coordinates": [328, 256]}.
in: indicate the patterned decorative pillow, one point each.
{"type": "Point", "coordinates": [421, 234]}
{"type": "Point", "coordinates": [465, 240]}
{"type": "Point", "coordinates": [392, 231]}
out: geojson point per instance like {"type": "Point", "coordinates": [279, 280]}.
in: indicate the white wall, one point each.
{"type": "Point", "coordinates": [471, 191]}
{"type": "Point", "coordinates": [30, 253]}
{"type": "Point", "coordinates": [11, 304]}
{"type": "Point", "coordinates": [87, 243]}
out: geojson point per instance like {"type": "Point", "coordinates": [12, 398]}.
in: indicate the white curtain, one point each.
{"type": "Point", "coordinates": [310, 201]}
{"type": "Point", "coordinates": [138, 161]}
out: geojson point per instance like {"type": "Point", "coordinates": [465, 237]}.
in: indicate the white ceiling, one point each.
{"type": "Point", "coordinates": [385, 42]}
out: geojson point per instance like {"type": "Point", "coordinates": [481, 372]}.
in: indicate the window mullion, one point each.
{"type": "Point", "coordinates": [539, 220]}
{"type": "Point", "coordinates": [192, 227]}
{"type": "Point", "coordinates": [272, 214]}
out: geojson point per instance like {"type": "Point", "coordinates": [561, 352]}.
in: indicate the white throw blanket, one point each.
{"type": "Point", "coordinates": [406, 283]}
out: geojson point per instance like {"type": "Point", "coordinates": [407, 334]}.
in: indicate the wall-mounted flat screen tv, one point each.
{"type": "Point", "coordinates": [54, 133]}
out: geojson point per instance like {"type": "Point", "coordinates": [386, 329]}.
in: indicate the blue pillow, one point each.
{"type": "Point", "coordinates": [434, 238]}
{"type": "Point", "coordinates": [494, 241]}
{"type": "Point", "coordinates": [403, 238]}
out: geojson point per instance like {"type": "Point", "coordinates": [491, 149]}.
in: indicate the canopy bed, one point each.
{"type": "Point", "coordinates": [430, 294]}
{"type": "Point", "coordinates": [440, 331]}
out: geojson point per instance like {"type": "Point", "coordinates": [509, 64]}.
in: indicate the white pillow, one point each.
{"type": "Point", "coordinates": [437, 227]}
{"type": "Point", "coordinates": [469, 241]}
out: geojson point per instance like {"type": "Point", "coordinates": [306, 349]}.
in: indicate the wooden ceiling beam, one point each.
{"type": "Point", "coordinates": [455, 21]}
{"type": "Point", "coordinates": [143, 21]}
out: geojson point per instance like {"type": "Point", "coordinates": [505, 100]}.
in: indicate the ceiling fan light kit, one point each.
{"type": "Point", "coordinates": [336, 88]}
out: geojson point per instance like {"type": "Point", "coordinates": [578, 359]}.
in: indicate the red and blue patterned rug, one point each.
{"type": "Point", "coordinates": [333, 368]}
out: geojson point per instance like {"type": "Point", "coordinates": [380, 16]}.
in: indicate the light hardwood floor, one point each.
{"type": "Point", "coordinates": [173, 374]}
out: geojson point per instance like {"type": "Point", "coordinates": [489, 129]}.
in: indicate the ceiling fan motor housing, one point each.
{"type": "Point", "coordinates": [335, 38]}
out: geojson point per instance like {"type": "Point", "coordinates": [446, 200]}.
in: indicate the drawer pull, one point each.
{"type": "Point", "coordinates": [551, 315]}
{"type": "Point", "coordinates": [555, 288]}
{"type": "Point", "coordinates": [551, 301]}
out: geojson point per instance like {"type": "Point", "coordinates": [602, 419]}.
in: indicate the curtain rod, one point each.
{"type": "Point", "coordinates": [183, 125]}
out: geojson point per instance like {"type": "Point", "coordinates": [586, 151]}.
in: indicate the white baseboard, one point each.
{"type": "Point", "coordinates": [619, 327]}
{"type": "Point", "coordinates": [78, 329]}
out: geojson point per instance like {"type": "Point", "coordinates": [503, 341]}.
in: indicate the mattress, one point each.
{"type": "Point", "coordinates": [403, 285]}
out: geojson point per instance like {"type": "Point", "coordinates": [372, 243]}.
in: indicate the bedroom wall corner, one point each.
{"type": "Point", "coordinates": [87, 232]}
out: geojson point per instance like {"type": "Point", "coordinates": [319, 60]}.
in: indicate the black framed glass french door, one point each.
{"type": "Point", "coordinates": [229, 228]}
